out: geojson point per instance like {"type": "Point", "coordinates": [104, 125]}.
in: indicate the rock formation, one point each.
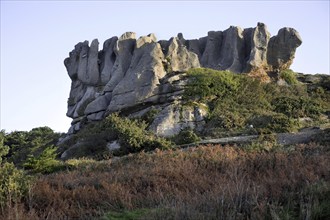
{"type": "Point", "coordinates": [134, 76]}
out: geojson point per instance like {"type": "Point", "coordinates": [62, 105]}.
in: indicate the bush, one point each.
{"type": "Point", "coordinates": [14, 184]}
{"type": "Point", "coordinates": [226, 119]}
{"type": "Point", "coordinates": [266, 124]}
{"type": "Point", "coordinates": [297, 107]}
{"type": "Point", "coordinates": [289, 76]}
{"type": "Point", "coordinates": [3, 149]}
{"type": "Point", "coordinates": [186, 136]}
{"type": "Point", "coordinates": [45, 162]}
{"type": "Point", "coordinates": [133, 136]}
{"type": "Point", "coordinates": [23, 143]}
{"type": "Point", "coordinates": [207, 84]}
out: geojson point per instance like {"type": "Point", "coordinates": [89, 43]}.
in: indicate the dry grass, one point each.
{"type": "Point", "coordinates": [208, 182]}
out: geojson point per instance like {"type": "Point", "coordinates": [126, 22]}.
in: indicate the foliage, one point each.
{"type": "Point", "coordinates": [295, 107]}
{"type": "Point", "coordinates": [133, 136]}
{"type": "Point", "coordinates": [45, 162]}
{"type": "Point", "coordinates": [3, 149]}
{"type": "Point", "coordinates": [289, 76]}
{"type": "Point", "coordinates": [208, 182]}
{"type": "Point", "coordinates": [23, 143]}
{"type": "Point", "coordinates": [149, 117]}
{"type": "Point", "coordinates": [278, 123]}
{"type": "Point", "coordinates": [226, 119]}
{"type": "Point", "coordinates": [207, 84]}
{"type": "Point", "coordinates": [237, 102]}
{"type": "Point", "coordinates": [14, 184]}
{"type": "Point", "coordinates": [186, 136]}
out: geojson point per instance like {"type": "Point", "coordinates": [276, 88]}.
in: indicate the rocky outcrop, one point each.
{"type": "Point", "coordinates": [281, 49]}
{"type": "Point", "coordinates": [133, 76]}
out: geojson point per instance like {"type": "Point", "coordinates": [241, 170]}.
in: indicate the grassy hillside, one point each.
{"type": "Point", "coordinates": [208, 182]}
{"type": "Point", "coordinates": [151, 177]}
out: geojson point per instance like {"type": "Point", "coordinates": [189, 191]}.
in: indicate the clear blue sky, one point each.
{"type": "Point", "coordinates": [36, 36]}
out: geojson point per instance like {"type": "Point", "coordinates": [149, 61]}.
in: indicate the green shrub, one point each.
{"type": "Point", "coordinates": [3, 149]}
{"type": "Point", "coordinates": [14, 185]}
{"type": "Point", "coordinates": [133, 136]}
{"type": "Point", "coordinates": [186, 136]}
{"type": "Point", "coordinates": [297, 107]}
{"type": "Point", "coordinates": [45, 162]}
{"type": "Point", "coordinates": [227, 119]}
{"type": "Point", "coordinates": [289, 76]}
{"type": "Point", "coordinates": [23, 143]}
{"type": "Point", "coordinates": [207, 84]}
{"type": "Point", "coordinates": [266, 124]}
{"type": "Point", "coordinates": [149, 117]}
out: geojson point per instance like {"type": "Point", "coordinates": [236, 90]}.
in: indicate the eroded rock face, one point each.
{"type": "Point", "coordinates": [132, 75]}
{"type": "Point", "coordinates": [282, 48]}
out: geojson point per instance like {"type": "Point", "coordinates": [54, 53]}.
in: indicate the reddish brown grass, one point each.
{"type": "Point", "coordinates": [208, 182]}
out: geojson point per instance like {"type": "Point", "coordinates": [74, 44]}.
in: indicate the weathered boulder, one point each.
{"type": "Point", "coordinates": [180, 58]}
{"type": "Point", "coordinates": [175, 118]}
{"type": "Point", "coordinates": [142, 78]}
{"type": "Point", "coordinates": [88, 97]}
{"type": "Point", "coordinates": [123, 50]}
{"type": "Point", "coordinates": [256, 47]}
{"type": "Point", "coordinates": [98, 104]}
{"type": "Point", "coordinates": [282, 48]}
{"type": "Point", "coordinates": [108, 59]}
{"type": "Point", "coordinates": [211, 54]}
{"type": "Point", "coordinates": [232, 50]}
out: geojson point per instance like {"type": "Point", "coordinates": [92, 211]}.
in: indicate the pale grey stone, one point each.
{"type": "Point", "coordinates": [131, 76]}
{"type": "Point", "coordinates": [96, 116]}
{"type": "Point", "coordinates": [180, 58]}
{"type": "Point", "coordinates": [88, 97]}
{"type": "Point", "coordinates": [99, 104]}
{"type": "Point", "coordinates": [93, 73]}
{"type": "Point", "coordinates": [124, 48]}
{"type": "Point", "coordinates": [232, 50]}
{"type": "Point", "coordinates": [174, 118]}
{"type": "Point", "coordinates": [282, 48]}
{"type": "Point", "coordinates": [151, 38]}
{"type": "Point", "coordinates": [212, 52]}
{"type": "Point", "coordinates": [257, 42]}
{"type": "Point", "coordinates": [83, 61]}
{"type": "Point", "coordinates": [113, 146]}
{"type": "Point", "coordinates": [142, 78]}
{"type": "Point", "coordinates": [109, 58]}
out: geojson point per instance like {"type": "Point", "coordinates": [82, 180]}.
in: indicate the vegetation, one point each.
{"type": "Point", "coordinates": [289, 76]}
{"type": "Point", "coordinates": [46, 162]}
{"type": "Point", "coordinates": [23, 144]}
{"type": "Point", "coordinates": [186, 136]}
{"type": "Point", "coordinates": [238, 102]}
{"type": "Point", "coordinates": [132, 135]}
{"type": "Point", "coordinates": [153, 180]}
{"type": "Point", "coordinates": [208, 182]}
{"type": "Point", "coordinates": [14, 183]}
